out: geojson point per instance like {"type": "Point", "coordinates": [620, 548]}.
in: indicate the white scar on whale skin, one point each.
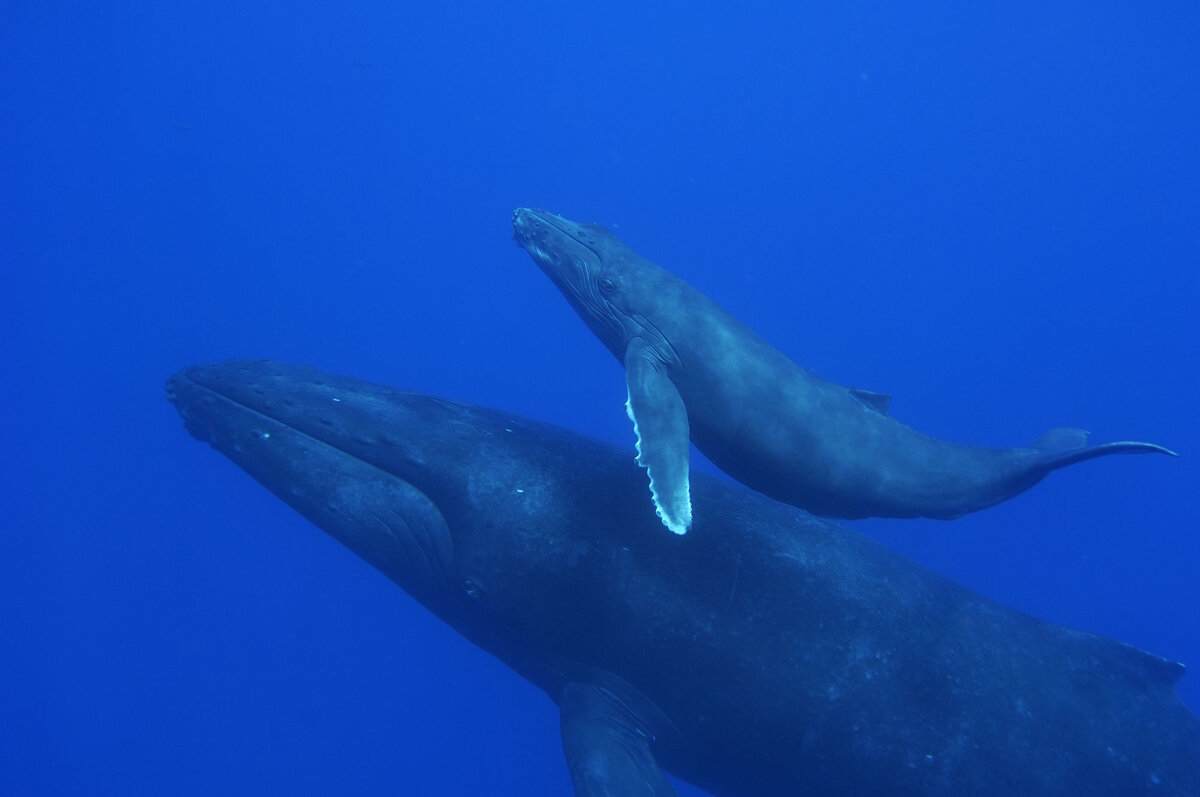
{"type": "Point", "coordinates": [683, 500]}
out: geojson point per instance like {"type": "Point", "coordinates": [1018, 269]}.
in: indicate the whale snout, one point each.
{"type": "Point", "coordinates": [521, 223]}
{"type": "Point", "coordinates": [546, 242]}
{"type": "Point", "coordinates": [532, 228]}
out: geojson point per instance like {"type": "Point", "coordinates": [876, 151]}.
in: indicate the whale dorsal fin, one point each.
{"type": "Point", "coordinates": [607, 744]}
{"type": "Point", "coordinates": [875, 401]}
{"type": "Point", "coordinates": [663, 436]}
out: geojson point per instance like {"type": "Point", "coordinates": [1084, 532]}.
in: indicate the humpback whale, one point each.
{"type": "Point", "coordinates": [695, 372]}
{"type": "Point", "coordinates": [774, 653]}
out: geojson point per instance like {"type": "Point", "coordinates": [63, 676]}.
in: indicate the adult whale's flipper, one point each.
{"type": "Point", "coordinates": [606, 745]}
{"type": "Point", "coordinates": [696, 373]}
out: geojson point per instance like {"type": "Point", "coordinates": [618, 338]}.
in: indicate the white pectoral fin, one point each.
{"type": "Point", "coordinates": [661, 424]}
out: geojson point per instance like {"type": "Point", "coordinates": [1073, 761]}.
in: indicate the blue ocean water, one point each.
{"type": "Point", "coordinates": [989, 211]}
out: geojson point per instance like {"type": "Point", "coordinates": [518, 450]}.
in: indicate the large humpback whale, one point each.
{"type": "Point", "coordinates": [694, 370]}
{"type": "Point", "coordinates": [778, 654]}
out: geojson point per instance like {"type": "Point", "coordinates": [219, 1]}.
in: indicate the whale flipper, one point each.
{"type": "Point", "coordinates": [606, 746]}
{"type": "Point", "coordinates": [661, 424]}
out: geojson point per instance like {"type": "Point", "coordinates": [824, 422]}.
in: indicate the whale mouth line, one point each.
{"type": "Point", "coordinates": [186, 375]}
{"type": "Point", "coordinates": [413, 527]}
{"type": "Point", "coordinates": [213, 392]}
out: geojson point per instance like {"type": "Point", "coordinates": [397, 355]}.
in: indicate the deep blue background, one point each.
{"type": "Point", "coordinates": [990, 213]}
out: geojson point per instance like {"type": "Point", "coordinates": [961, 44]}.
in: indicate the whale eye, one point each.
{"type": "Point", "coordinates": [607, 286]}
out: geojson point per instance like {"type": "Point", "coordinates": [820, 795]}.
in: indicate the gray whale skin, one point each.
{"type": "Point", "coordinates": [780, 654]}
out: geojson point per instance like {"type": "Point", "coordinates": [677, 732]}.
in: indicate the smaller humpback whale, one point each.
{"type": "Point", "coordinates": [773, 654]}
{"type": "Point", "coordinates": [694, 371]}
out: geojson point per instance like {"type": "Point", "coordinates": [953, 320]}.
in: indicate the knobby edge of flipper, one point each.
{"type": "Point", "coordinates": [663, 434]}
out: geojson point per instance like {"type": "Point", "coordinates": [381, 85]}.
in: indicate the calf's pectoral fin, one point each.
{"type": "Point", "coordinates": [607, 749]}
{"type": "Point", "coordinates": [661, 424]}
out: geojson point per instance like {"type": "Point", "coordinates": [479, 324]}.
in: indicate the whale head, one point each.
{"type": "Point", "coordinates": [610, 286]}
{"type": "Point", "coordinates": [306, 439]}
{"type": "Point", "coordinates": [505, 528]}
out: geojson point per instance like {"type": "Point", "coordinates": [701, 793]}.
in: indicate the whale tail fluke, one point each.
{"type": "Point", "coordinates": [1062, 447]}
